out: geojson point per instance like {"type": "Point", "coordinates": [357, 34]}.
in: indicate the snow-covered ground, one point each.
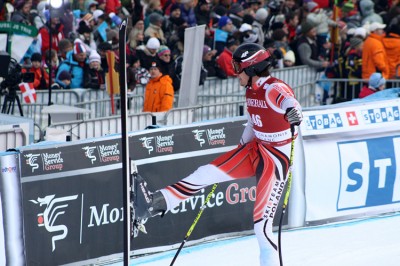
{"type": "Point", "coordinates": [367, 242]}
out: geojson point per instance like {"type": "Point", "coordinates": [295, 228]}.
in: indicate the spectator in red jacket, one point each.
{"type": "Point", "coordinates": [113, 6]}
{"type": "Point", "coordinates": [224, 60]}
{"type": "Point", "coordinates": [376, 83]}
{"type": "Point", "coordinates": [56, 35]}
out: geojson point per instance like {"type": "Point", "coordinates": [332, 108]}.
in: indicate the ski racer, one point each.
{"type": "Point", "coordinates": [263, 151]}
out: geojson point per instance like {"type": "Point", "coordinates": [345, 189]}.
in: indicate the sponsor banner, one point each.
{"type": "Point", "coordinates": [352, 117]}
{"type": "Point", "coordinates": [43, 160]}
{"type": "Point", "coordinates": [11, 225]}
{"type": "Point", "coordinates": [202, 137]}
{"type": "Point", "coordinates": [74, 218]}
{"type": "Point", "coordinates": [364, 167]}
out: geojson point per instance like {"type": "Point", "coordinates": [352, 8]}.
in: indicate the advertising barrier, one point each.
{"type": "Point", "coordinates": [360, 145]}
{"type": "Point", "coordinates": [11, 220]}
{"type": "Point", "coordinates": [72, 200]}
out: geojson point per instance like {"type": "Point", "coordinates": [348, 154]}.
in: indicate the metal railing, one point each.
{"type": "Point", "coordinates": [217, 98]}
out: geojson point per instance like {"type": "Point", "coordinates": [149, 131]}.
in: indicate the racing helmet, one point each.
{"type": "Point", "coordinates": [251, 58]}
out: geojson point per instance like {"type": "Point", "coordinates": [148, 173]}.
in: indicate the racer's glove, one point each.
{"type": "Point", "coordinates": [294, 115]}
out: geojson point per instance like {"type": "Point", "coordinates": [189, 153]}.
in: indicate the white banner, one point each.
{"type": "Point", "coordinates": [352, 160]}
{"type": "Point", "coordinates": [191, 65]}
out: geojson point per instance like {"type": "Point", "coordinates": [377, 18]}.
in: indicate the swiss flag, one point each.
{"type": "Point", "coordinates": [28, 92]}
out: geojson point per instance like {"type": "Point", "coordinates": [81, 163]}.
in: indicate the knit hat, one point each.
{"type": "Point", "coordinates": [153, 43]}
{"type": "Point", "coordinates": [220, 10]}
{"type": "Point", "coordinates": [174, 7]}
{"type": "Point", "coordinates": [97, 13]}
{"type": "Point", "coordinates": [312, 6]}
{"type": "Point", "coordinates": [36, 57]}
{"type": "Point", "coordinates": [111, 35]}
{"type": "Point", "coordinates": [207, 49]}
{"type": "Point", "coordinates": [306, 27]}
{"type": "Point", "coordinates": [79, 48]}
{"type": "Point", "coordinates": [289, 56]}
{"type": "Point", "coordinates": [261, 15]}
{"type": "Point", "coordinates": [245, 27]}
{"type": "Point", "coordinates": [348, 6]}
{"type": "Point", "coordinates": [155, 18]}
{"type": "Point", "coordinates": [223, 21]}
{"type": "Point", "coordinates": [104, 46]}
{"type": "Point", "coordinates": [162, 50]}
{"type": "Point", "coordinates": [155, 64]}
{"type": "Point", "coordinates": [64, 75]}
{"type": "Point", "coordinates": [236, 8]}
{"type": "Point", "coordinates": [94, 57]}
{"type": "Point", "coordinates": [376, 80]}
{"type": "Point", "coordinates": [83, 28]}
{"type": "Point", "coordinates": [278, 34]}
{"type": "Point", "coordinates": [354, 42]}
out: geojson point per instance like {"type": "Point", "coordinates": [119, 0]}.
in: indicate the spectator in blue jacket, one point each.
{"type": "Point", "coordinates": [74, 63]}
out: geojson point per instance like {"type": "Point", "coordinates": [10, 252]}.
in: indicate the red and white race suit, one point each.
{"type": "Point", "coordinates": [263, 152]}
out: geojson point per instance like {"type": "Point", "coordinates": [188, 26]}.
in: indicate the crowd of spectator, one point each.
{"type": "Point", "coordinates": [352, 39]}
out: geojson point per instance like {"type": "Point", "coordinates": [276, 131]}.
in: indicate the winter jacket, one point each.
{"type": "Point", "coordinates": [93, 79]}
{"type": "Point", "coordinates": [57, 36]}
{"type": "Point", "coordinates": [307, 52]}
{"type": "Point", "coordinates": [155, 31]}
{"type": "Point", "coordinates": [145, 57]}
{"type": "Point", "coordinates": [74, 68]}
{"type": "Point", "coordinates": [374, 57]}
{"type": "Point", "coordinates": [112, 6]}
{"type": "Point", "coordinates": [41, 81]}
{"type": "Point", "coordinates": [159, 95]}
{"type": "Point", "coordinates": [224, 61]}
{"type": "Point", "coordinates": [392, 47]}
{"type": "Point", "coordinates": [365, 91]}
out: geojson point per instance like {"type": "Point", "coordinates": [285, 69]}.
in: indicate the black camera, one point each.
{"type": "Point", "coordinates": [11, 72]}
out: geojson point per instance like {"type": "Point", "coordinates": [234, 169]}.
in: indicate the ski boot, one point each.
{"type": "Point", "coordinates": [145, 204]}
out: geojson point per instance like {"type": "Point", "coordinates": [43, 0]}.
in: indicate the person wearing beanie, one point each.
{"type": "Point", "coordinates": [289, 59]}
{"type": "Point", "coordinates": [202, 11]}
{"type": "Point", "coordinates": [224, 60]}
{"type": "Point", "coordinates": [41, 80]}
{"type": "Point", "coordinates": [322, 22]}
{"type": "Point", "coordinates": [148, 53]}
{"type": "Point", "coordinates": [159, 92]}
{"type": "Point", "coordinates": [113, 38]}
{"type": "Point", "coordinates": [353, 67]}
{"type": "Point", "coordinates": [57, 34]}
{"type": "Point", "coordinates": [86, 35]}
{"type": "Point", "coordinates": [307, 50]}
{"type": "Point", "coordinates": [63, 82]}
{"type": "Point", "coordinates": [258, 24]}
{"type": "Point", "coordinates": [155, 27]}
{"type": "Point", "coordinates": [165, 62]}
{"type": "Point", "coordinates": [225, 30]}
{"type": "Point", "coordinates": [94, 76]}
{"type": "Point", "coordinates": [236, 13]}
{"type": "Point", "coordinates": [75, 63]}
{"type": "Point", "coordinates": [136, 75]}
{"type": "Point", "coordinates": [376, 83]}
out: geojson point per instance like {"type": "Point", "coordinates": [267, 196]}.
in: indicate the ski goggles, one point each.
{"type": "Point", "coordinates": [237, 68]}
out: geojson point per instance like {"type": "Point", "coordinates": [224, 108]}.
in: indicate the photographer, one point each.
{"type": "Point", "coordinates": [41, 81]}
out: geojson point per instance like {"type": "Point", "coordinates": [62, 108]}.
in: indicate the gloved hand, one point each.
{"type": "Point", "coordinates": [294, 115]}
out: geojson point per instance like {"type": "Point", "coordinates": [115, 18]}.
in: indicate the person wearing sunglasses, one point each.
{"type": "Point", "coordinates": [263, 151]}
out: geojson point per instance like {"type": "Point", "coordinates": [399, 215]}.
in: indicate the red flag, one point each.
{"type": "Point", "coordinates": [28, 92]}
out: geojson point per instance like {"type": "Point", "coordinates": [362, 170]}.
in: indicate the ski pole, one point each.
{"type": "Point", "coordinates": [287, 194]}
{"type": "Point", "coordinates": [189, 232]}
